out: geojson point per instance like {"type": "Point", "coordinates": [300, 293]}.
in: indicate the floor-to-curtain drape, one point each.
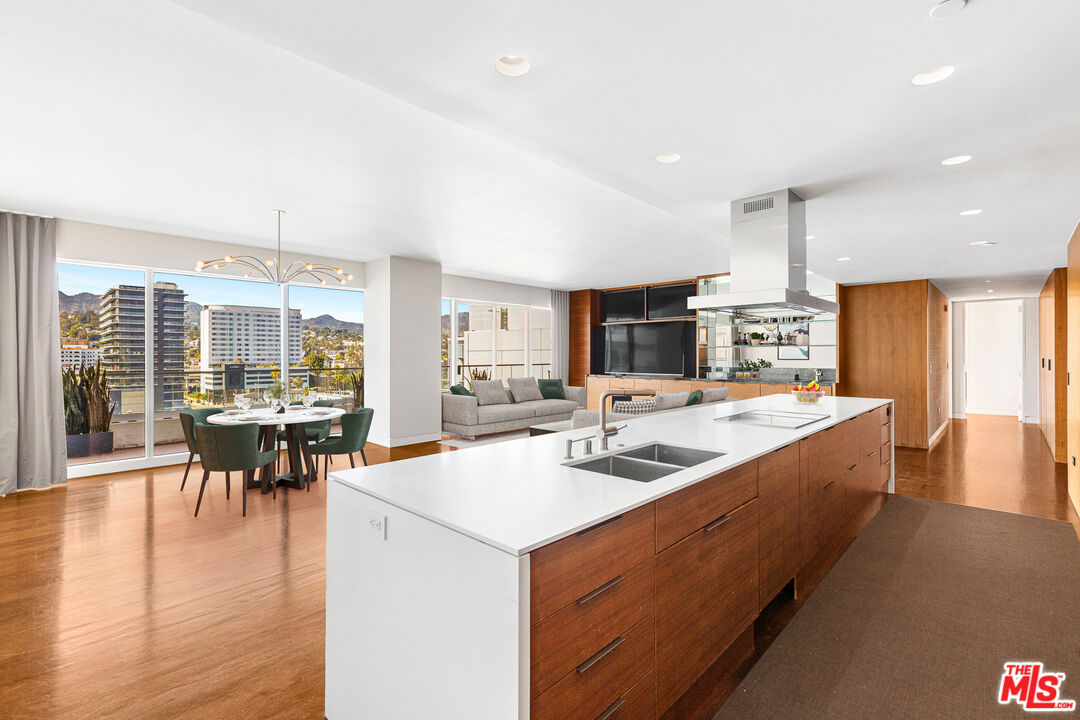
{"type": "Point", "coordinates": [560, 335]}
{"type": "Point", "coordinates": [33, 449]}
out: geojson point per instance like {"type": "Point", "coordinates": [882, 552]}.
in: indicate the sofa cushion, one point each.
{"type": "Point", "coordinates": [714, 395]}
{"type": "Point", "coordinates": [524, 389]}
{"type": "Point", "coordinates": [502, 412]}
{"type": "Point", "coordinates": [694, 398]}
{"type": "Point", "coordinates": [551, 388]}
{"type": "Point", "coordinates": [550, 407]}
{"type": "Point", "coordinates": [666, 401]}
{"type": "Point", "coordinates": [460, 389]}
{"type": "Point", "coordinates": [490, 392]}
{"type": "Point", "coordinates": [459, 409]}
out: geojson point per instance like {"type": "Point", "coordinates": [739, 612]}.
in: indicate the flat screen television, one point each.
{"type": "Point", "coordinates": [669, 301]}
{"type": "Point", "coordinates": [623, 305]}
{"type": "Point", "coordinates": [657, 348]}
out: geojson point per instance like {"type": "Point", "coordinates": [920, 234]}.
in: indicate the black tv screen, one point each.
{"type": "Point", "coordinates": [646, 348]}
{"type": "Point", "coordinates": [669, 301]}
{"type": "Point", "coordinates": [623, 305]}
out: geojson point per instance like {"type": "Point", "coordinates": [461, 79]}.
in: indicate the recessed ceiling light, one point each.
{"type": "Point", "coordinates": [809, 272]}
{"type": "Point", "coordinates": [971, 212]}
{"type": "Point", "coordinates": [990, 290]}
{"type": "Point", "coordinates": [956, 160]}
{"type": "Point", "coordinates": [843, 259]}
{"type": "Point", "coordinates": [987, 280]}
{"type": "Point", "coordinates": [809, 237]}
{"type": "Point", "coordinates": [945, 8]}
{"type": "Point", "coordinates": [933, 75]}
{"type": "Point", "coordinates": [982, 243]}
{"type": "Point", "coordinates": [668, 158]}
{"type": "Point", "coordinates": [512, 66]}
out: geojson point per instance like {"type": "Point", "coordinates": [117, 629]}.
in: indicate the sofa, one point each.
{"type": "Point", "coordinates": [493, 407]}
{"type": "Point", "coordinates": [661, 403]}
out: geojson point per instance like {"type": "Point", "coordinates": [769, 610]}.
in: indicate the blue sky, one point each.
{"type": "Point", "coordinates": [345, 305]}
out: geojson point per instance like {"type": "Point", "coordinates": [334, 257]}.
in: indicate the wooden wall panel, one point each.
{"type": "Point", "coordinates": [882, 338]}
{"type": "Point", "coordinates": [1073, 364]}
{"type": "Point", "coordinates": [584, 316]}
{"type": "Point", "coordinates": [1053, 362]}
{"type": "Point", "coordinates": [937, 360]}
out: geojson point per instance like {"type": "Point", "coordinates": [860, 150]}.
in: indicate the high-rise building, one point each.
{"type": "Point", "coordinates": [76, 356]}
{"type": "Point", "coordinates": [123, 339]}
{"type": "Point", "coordinates": [248, 335]}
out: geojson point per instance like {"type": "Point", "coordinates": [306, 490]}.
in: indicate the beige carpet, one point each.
{"type": "Point", "coordinates": [919, 616]}
{"type": "Point", "coordinates": [463, 442]}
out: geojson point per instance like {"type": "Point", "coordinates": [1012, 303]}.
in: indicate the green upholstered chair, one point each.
{"type": "Point", "coordinates": [354, 432]}
{"type": "Point", "coordinates": [230, 448]}
{"type": "Point", "coordinates": [188, 420]}
{"type": "Point", "coordinates": [315, 431]}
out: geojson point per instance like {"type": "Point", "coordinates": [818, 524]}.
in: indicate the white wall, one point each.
{"type": "Point", "coordinates": [1031, 360]}
{"type": "Point", "coordinates": [956, 359]}
{"type": "Point", "coordinates": [402, 310]}
{"type": "Point", "coordinates": [994, 351]}
{"type": "Point", "coordinates": [466, 288]}
{"type": "Point", "coordinates": [86, 242]}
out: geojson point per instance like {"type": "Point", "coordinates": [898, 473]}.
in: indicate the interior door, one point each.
{"type": "Point", "coordinates": [993, 347]}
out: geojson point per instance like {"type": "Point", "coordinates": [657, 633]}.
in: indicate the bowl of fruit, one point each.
{"type": "Point", "coordinates": [809, 393]}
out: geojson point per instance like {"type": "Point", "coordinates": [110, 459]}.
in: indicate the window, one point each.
{"type": "Point", "coordinates": [482, 341]}
{"type": "Point", "coordinates": [330, 342]}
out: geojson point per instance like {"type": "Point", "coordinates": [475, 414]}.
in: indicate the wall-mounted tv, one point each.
{"type": "Point", "coordinates": [656, 348]}
{"type": "Point", "coordinates": [622, 305]}
{"type": "Point", "coordinates": [669, 301]}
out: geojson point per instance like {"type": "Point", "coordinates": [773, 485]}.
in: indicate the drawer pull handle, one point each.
{"type": "Point", "coordinates": [853, 466]}
{"type": "Point", "coordinates": [888, 461]}
{"type": "Point", "coordinates": [600, 655]}
{"type": "Point", "coordinates": [831, 483]}
{"type": "Point", "coordinates": [717, 522]}
{"type": "Point", "coordinates": [599, 525]}
{"type": "Point", "coordinates": [606, 586]}
{"type": "Point", "coordinates": [611, 710]}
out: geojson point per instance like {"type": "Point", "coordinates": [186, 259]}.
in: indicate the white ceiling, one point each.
{"type": "Point", "coordinates": [383, 128]}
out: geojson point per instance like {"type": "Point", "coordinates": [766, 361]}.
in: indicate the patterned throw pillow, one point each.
{"type": "Point", "coordinates": [633, 407]}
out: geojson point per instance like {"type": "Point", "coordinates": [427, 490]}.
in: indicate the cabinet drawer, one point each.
{"type": "Point", "coordinates": [886, 433]}
{"type": "Point", "coordinates": [621, 384]}
{"type": "Point", "coordinates": [869, 430]}
{"type": "Point", "coordinates": [884, 414]}
{"type": "Point", "coordinates": [581, 629]}
{"type": "Point", "coordinates": [741, 391]}
{"type": "Point", "coordinates": [692, 508]}
{"type": "Point", "coordinates": [567, 569]}
{"type": "Point", "coordinates": [886, 462]}
{"type": "Point", "coordinates": [639, 703]}
{"type": "Point", "coordinates": [829, 455]}
{"type": "Point", "coordinates": [706, 596]}
{"type": "Point", "coordinates": [598, 683]}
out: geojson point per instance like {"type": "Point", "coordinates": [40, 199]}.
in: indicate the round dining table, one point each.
{"type": "Point", "coordinates": [301, 466]}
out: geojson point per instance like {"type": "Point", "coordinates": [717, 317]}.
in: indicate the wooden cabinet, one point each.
{"type": "Point", "coordinates": [689, 510]}
{"type": "Point", "coordinates": [706, 595]}
{"type": "Point", "coordinates": [741, 391]}
{"type": "Point", "coordinates": [639, 703]}
{"type": "Point", "coordinates": [893, 343]}
{"type": "Point", "coordinates": [1053, 362]}
{"type": "Point", "coordinates": [832, 456]}
{"type": "Point", "coordinates": [569, 569]}
{"type": "Point", "coordinates": [778, 521]}
{"type": "Point", "coordinates": [596, 384]}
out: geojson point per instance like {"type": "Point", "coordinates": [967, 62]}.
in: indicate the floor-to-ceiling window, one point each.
{"type": "Point", "coordinates": [483, 341]}
{"type": "Point", "coordinates": [212, 338]}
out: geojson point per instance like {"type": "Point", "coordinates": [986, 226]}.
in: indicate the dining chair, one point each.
{"type": "Point", "coordinates": [230, 448]}
{"type": "Point", "coordinates": [353, 438]}
{"type": "Point", "coordinates": [314, 431]}
{"type": "Point", "coordinates": [188, 420]}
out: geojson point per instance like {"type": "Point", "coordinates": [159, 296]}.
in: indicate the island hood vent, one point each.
{"type": "Point", "coordinates": [768, 261]}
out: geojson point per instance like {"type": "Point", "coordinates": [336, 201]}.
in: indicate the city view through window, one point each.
{"type": "Point", "coordinates": [213, 337]}
{"type": "Point", "coordinates": [484, 341]}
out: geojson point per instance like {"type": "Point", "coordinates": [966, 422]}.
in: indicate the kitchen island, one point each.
{"type": "Point", "coordinates": [504, 582]}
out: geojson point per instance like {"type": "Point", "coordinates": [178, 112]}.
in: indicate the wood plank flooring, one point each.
{"type": "Point", "coordinates": [116, 603]}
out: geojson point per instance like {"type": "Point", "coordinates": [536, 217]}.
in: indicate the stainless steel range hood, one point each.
{"type": "Point", "coordinates": [768, 261]}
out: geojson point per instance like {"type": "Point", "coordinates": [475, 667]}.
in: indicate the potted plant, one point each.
{"type": "Point", "coordinates": [88, 411]}
{"type": "Point", "coordinates": [357, 380]}
{"type": "Point", "coordinates": [756, 338]}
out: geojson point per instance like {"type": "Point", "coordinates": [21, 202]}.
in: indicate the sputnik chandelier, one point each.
{"type": "Point", "coordinates": [272, 269]}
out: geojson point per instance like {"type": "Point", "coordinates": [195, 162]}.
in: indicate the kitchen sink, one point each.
{"type": "Point", "coordinates": [646, 462]}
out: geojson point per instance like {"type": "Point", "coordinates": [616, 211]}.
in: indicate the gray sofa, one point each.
{"type": "Point", "coordinates": [464, 415]}
{"type": "Point", "coordinates": [666, 402]}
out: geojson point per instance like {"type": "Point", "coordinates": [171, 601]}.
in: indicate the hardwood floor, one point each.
{"type": "Point", "coordinates": [116, 602]}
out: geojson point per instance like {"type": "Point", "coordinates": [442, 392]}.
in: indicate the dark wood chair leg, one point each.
{"type": "Point", "coordinates": [330, 459]}
{"type": "Point", "coordinates": [363, 456]}
{"type": "Point", "coordinates": [198, 503]}
{"type": "Point", "coordinates": [190, 457]}
{"type": "Point", "coordinates": [228, 483]}
{"type": "Point", "coordinates": [352, 463]}
{"type": "Point", "coordinates": [325, 465]}
{"type": "Point", "coordinates": [243, 489]}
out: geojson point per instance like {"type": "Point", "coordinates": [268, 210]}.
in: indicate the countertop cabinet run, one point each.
{"type": "Point", "coordinates": [778, 521]}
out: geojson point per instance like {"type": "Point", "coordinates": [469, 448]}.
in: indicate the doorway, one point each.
{"type": "Point", "coordinates": [993, 357]}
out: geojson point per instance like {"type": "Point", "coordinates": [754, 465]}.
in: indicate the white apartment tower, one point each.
{"type": "Point", "coordinates": [252, 335]}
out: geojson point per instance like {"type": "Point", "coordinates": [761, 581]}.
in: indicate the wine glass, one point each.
{"type": "Point", "coordinates": [243, 402]}
{"type": "Point", "coordinates": [309, 398]}
{"type": "Point", "coordinates": [267, 397]}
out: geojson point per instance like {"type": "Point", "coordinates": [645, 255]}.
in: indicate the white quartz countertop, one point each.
{"type": "Point", "coordinates": [517, 495]}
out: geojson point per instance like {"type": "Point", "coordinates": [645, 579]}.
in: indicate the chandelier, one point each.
{"type": "Point", "coordinates": [272, 269]}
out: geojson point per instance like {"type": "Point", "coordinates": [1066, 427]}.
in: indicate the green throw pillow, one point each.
{"type": "Point", "coordinates": [460, 390]}
{"type": "Point", "coordinates": [551, 389]}
{"type": "Point", "coordinates": [694, 398]}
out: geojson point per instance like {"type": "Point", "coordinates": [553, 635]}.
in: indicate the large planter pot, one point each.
{"type": "Point", "coordinates": [89, 444]}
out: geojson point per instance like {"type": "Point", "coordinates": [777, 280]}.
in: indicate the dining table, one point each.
{"type": "Point", "coordinates": [293, 417]}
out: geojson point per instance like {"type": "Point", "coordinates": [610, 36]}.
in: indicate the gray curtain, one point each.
{"type": "Point", "coordinates": [33, 446]}
{"type": "Point", "coordinates": [560, 334]}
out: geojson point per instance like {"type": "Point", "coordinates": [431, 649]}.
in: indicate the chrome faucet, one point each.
{"type": "Point", "coordinates": [605, 431]}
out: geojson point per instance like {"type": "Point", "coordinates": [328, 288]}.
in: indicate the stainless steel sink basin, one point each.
{"type": "Point", "coordinates": [647, 462]}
